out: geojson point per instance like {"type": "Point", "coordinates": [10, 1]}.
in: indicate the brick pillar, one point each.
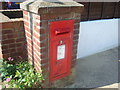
{"type": "Point", "coordinates": [37, 18]}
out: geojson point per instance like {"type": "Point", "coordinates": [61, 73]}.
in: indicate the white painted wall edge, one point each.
{"type": "Point", "coordinates": [97, 36]}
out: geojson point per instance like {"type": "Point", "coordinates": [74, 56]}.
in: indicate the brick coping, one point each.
{"type": "Point", "coordinates": [34, 6]}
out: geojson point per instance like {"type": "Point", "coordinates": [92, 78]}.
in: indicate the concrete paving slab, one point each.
{"type": "Point", "coordinates": [98, 70]}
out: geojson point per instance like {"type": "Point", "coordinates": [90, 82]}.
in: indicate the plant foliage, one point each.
{"type": "Point", "coordinates": [20, 75]}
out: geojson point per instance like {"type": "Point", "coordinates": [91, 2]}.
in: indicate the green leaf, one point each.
{"type": "Point", "coordinates": [17, 73]}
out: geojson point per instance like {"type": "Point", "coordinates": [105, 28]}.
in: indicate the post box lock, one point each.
{"type": "Point", "coordinates": [61, 36]}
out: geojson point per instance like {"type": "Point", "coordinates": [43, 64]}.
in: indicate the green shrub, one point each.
{"type": "Point", "coordinates": [20, 75]}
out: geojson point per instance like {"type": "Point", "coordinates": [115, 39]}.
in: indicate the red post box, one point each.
{"type": "Point", "coordinates": [61, 38]}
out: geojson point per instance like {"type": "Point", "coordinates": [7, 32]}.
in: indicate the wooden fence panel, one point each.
{"type": "Point", "coordinates": [95, 10]}
{"type": "Point", "coordinates": [108, 10]}
{"type": "Point", "coordinates": [100, 10]}
{"type": "Point", "coordinates": [117, 9]}
{"type": "Point", "coordinates": [85, 12]}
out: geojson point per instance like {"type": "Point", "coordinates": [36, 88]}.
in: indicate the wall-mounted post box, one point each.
{"type": "Point", "coordinates": [61, 40]}
{"type": "Point", "coordinates": [52, 32]}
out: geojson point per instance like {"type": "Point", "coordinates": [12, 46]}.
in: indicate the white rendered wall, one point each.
{"type": "Point", "coordinates": [97, 36]}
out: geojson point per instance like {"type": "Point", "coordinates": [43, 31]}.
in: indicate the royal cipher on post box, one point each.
{"type": "Point", "coordinates": [61, 38]}
{"type": "Point", "coordinates": [52, 32]}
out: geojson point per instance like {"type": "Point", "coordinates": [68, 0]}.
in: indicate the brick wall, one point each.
{"type": "Point", "coordinates": [12, 39]}
{"type": "Point", "coordinates": [37, 35]}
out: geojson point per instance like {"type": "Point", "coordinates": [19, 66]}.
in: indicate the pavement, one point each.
{"type": "Point", "coordinates": [97, 71]}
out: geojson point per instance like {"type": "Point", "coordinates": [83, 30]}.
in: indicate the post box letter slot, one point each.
{"type": "Point", "coordinates": [62, 31]}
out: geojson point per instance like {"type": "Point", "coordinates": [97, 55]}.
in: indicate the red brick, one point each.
{"type": "Point", "coordinates": [8, 41]}
{"type": "Point", "coordinates": [42, 10]}
{"type": "Point", "coordinates": [75, 42]}
{"type": "Point", "coordinates": [29, 54]}
{"type": "Point", "coordinates": [36, 52]}
{"type": "Point", "coordinates": [26, 17]}
{"type": "Point", "coordinates": [76, 31]}
{"type": "Point", "coordinates": [77, 21]}
{"type": "Point", "coordinates": [26, 28]}
{"type": "Point", "coordinates": [4, 37]}
{"type": "Point", "coordinates": [29, 45]}
{"type": "Point", "coordinates": [7, 25]}
{"type": "Point", "coordinates": [25, 12]}
{"type": "Point", "coordinates": [37, 65]}
{"type": "Point", "coordinates": [77, 15]}
{"type": "Point", "coordinates": [12, 50]}
{"type": "Point", "coordinates": [11, 36]}
{"type": "Point", "coordinates": [26, 23]}
{"type": "Point", "coordinates": [37, 23]}
{"type": "Point", "coordinates": [6, 51]}
{"type": "Point", "coordinates": [73, 62]}
{"type": "Point", "coordinates": [37, 17]}
{"type": "Point", "coordinates": [19, 34]}
{"type": "Point", "coordinates": [37, 68]}
{"type": "Point", "coordinates": [75, 51]}
{"type": "Point", "coordinates": [37, 61]}
{"type": "Point", "coordinates": [45, 71]}
{"type": "Point", "coordinates": [45, 55]}
{"type": "Point", "coordinates": [76, 26]}
{"type": "Point", "coordinates": [12, 45]}
{"type": "Point", "coordinates": [29, 51]}
{"type": "Point", "coordinates": [55, 16]}
{"type": "Point", "coordinates": [5, 47]}
{"type": "Point", "coordinates": [43, 44]}
{"type": "Point", "coordinates": [76, 9]}
{"type": "Point", "coordinates": [67, 15]}
{"type": "Point", "coordinates": [5, 56]}
{"type": "Point", "coordinates": [37, 35]}
{"type": "Point", "coordinates": [76, 37]}
{"type": "Point", "coordinates": [44, 66]}
{"type": "Point", "coordinates": [44, 61]}
{"type": "Point", "coordinates": [15, 53]}
{"type": "Point", "coordinates": [44, 23]}
{"type": "Point", "coordinates": [74, 57]}
{"type": "Point", "coordinates": [43, 50]}
{"type": "Point", "coordinates": [59, 10]}
{"type": "Point", "coordinates": [19, 49]}
{"type": "Point", "coordinates": [48, 17]}
{"type": "Point", "coordinates": [29, 40]}
{"type": "Point", "coordinates": [36, 29]}
{"type": "Point", "coordinates": [18, 25]}
{"type": "Point", "coordinates": [19, 44]}
{"type": "Point", "coordinates": [74, 47]}
{"type": "Point", "coordinates": [36, 56]}
{"type": "Point", "coordinates": [28, 34]}
{"type": "Point", "coordinates": [7, 31]}
{"type": "Point", "coordinates": [44, 31]}
{"type": "Point", "coordinates": [43, 37]}
{"type": "Point", "coordinates": [20, 40]}
{"type": "Point", "coordinates": [37, 47]}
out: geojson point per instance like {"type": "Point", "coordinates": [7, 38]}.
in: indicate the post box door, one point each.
{"type": "Point", "coordinates": [61, 36]}
{"type": "Point", "coordinates": [60, 59]}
